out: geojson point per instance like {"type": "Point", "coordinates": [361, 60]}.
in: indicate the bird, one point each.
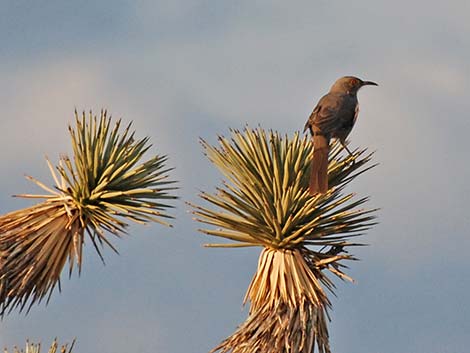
{"type": "Point", "coordinates": [333, 117]}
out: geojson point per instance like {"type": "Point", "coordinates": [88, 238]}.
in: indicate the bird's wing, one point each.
{"type": "Point", "coordinates": [324, 118]}
{"type": "Point", "coordinates": [308, 124]}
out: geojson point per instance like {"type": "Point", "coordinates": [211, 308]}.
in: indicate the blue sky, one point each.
{"type": "Point", "coordinates": [188, 69]}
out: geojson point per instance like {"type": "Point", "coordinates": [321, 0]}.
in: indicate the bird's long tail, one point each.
{"type": "Point", "coordinates": [319, 168]}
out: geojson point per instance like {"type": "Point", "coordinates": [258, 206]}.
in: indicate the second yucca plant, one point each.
{"type": "Point", "coordinates": [265, 202]}
{"type": "Point", "coordinates": [36, 348]}
{"type": "Point", "coordinates": [103, 185]}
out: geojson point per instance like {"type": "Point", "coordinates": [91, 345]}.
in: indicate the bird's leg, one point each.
{"type": "Point", "coordinates": [343, 143]}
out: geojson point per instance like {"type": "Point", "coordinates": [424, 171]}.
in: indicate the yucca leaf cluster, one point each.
{"type": "Point", "coordinates": [36, 348]}
{"type": "Point", "coordinates": [265, 202]}
{"type": "Point", "coordinates": [96, 191]}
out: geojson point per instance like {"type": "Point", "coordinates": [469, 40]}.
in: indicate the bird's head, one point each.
{"type": "Point", "coordinates": [350, 85]}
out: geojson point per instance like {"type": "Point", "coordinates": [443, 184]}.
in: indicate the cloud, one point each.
{"type": "Point", "coordinates": [39, 104]}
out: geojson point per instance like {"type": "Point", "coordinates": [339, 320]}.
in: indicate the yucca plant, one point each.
{"type": "Point", "coordinates": [36, 348]}
{"type": "Point", "coordinates": [265, 202]}
{"type": "Point", "coordinates": [103, 185]}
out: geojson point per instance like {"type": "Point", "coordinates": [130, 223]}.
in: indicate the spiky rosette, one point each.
{"type": "Point", "coordinates": [265, 202]}
{"type": "Point", "coordinates": [36, 348]}
{"type": "Point", "coordinates": [103, 185]}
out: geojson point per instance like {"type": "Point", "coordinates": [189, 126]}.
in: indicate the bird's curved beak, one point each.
{"type": "Point", "coordinates": [369, 83]}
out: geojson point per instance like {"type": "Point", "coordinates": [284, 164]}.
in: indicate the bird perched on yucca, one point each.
{"type": "Point", "coordinates": [265, 202]}
{"type": "Point", "coordinates": [104, 184]}
{"type": "Point", "coordinates": [333, 117]}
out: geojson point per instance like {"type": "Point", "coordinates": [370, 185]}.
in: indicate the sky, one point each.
{"type": "Point", "coordinates": [181, 70]}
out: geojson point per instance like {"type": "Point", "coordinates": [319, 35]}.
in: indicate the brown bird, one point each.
{"type": "Point", "coordinates": [333, 117]}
